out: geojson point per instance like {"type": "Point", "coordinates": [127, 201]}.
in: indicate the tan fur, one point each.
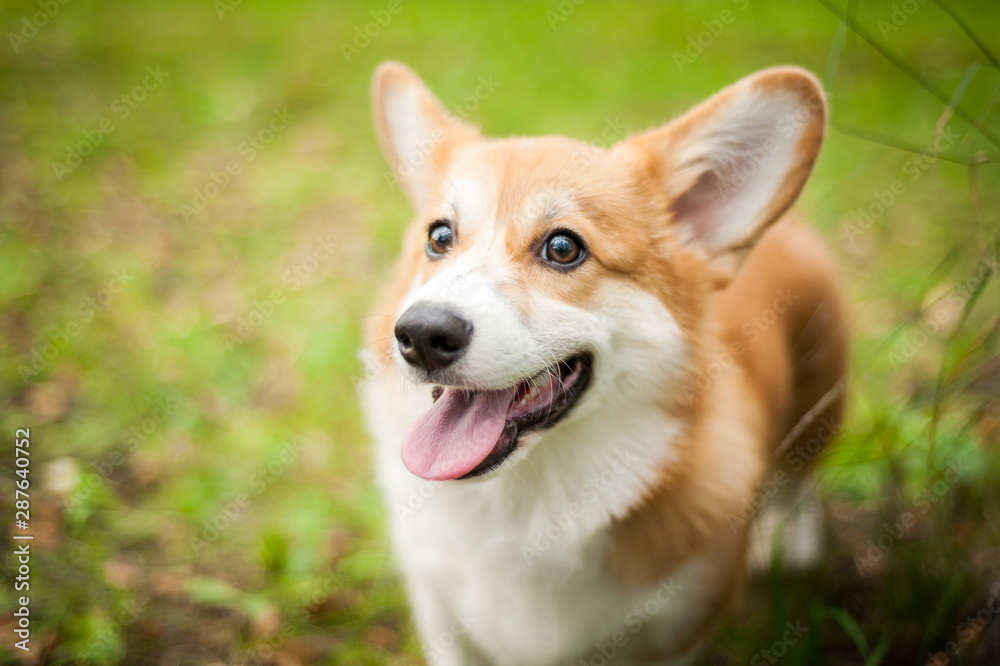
{"type": "Point", "coordinates": [776, 381]}
{"type": "Point", "coordinates": [771, 387]}
{"type": "Point", "coordinates": [623, 201]}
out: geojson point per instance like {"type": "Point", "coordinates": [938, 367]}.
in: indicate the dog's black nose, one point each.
{"type": "Point", "coordinates": [432, 336]}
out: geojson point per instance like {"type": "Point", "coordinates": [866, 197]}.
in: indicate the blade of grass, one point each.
{"type": "Point", "coordinates": [878, 654]}
{"type": "Point", "coordinates": [942, 373]}
{"type": "Point", "coordinates": [833, 60]}
{"type": "Point", "coordinates": [957, 95]}
{"type": "Point", "coordinates": [936, 621]}
{"type": "Point", "coordinates": [912, 73]}
{"type": "Point", "coordinates": [968, 32]}
{"type": "Point", "coordinates": [874, 137]}
{"type": "Point", "coordinates": [850, 627]}
{"type": "Point", "coordinates": [837, 47]}
{"type": "Point", "coordinates": [778, 610]}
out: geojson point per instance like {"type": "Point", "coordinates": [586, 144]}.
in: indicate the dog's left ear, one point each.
{"type": "Point", "coordinates": [732, 165]}
{"type": "Point", "coordinates": [417, 134]}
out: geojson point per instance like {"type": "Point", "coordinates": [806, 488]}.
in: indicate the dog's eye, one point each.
{"type": "Point", "coordinates": [563, 249]}
{"type": "Point", "coordinates": [440, 238]}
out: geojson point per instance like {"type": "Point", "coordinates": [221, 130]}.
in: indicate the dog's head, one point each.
{"type": "Point", "coordinates": [546, 284]}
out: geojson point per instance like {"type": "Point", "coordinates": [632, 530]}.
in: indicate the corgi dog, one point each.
{"type": "Point", "coordinates": [588, 365]}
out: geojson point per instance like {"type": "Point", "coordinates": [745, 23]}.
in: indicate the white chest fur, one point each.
{"type": "Point", "coordinates": [514, 564]}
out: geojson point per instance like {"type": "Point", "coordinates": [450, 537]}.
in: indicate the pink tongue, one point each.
{"type": "Point", "coordinates": [456, 434]}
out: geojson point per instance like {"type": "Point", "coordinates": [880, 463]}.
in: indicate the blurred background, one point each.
{"type": "Point", "coordinates": [194, 215]}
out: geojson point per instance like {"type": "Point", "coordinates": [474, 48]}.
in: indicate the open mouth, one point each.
{"type": "Point", "coordinates": [467, 433]}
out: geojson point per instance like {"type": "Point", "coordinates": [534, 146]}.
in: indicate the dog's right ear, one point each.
{"type": "Point", "coordinates": [417, 134]}
{"type": "Point", "coordinates": [733, 165]}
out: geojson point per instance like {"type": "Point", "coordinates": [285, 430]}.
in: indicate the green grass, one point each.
{"type": "Point", "coordinates": [202, 544]}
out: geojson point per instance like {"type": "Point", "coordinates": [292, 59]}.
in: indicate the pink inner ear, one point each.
{"type": "Point", "coordinates": [701, 206]}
